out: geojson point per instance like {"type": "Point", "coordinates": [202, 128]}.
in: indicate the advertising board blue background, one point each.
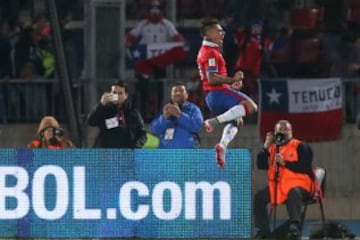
{"type": "Point", "coordinates": [106, 171]}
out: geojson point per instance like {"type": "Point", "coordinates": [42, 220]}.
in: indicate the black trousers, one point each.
{"type": "Point", "coordinates": [296, 197]}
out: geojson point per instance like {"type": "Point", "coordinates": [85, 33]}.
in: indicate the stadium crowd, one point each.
{"type": "Point", "coordinates": [272, 39]}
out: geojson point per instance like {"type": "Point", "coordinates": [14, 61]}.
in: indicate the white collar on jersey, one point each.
{"type": "Point", "coordinates": [210, 44]}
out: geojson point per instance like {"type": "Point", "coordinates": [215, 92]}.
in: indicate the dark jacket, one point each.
{"type": "Point", "coordinates": [130, 131]}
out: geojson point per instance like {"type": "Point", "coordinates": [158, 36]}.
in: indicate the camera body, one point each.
{"type": "Point", "coordinates": [279, 139]}
{"type": "Point", "coordinates": [58, 132]}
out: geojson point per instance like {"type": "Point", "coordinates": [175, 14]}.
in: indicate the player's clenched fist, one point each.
{"type": "Point", "coordinates": [239, 75]}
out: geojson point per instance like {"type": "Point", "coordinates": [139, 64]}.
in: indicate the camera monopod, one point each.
{"type": "Point", "coordinates": [279, 140]}
{"type": "Point", "coordinates": [275, 191]}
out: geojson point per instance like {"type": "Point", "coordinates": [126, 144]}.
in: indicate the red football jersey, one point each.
{"type": "Point", "coordinates": [209, 59]}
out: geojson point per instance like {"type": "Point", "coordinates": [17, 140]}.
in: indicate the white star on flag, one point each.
{"type": "Point", "coordinates": [136, 54]}
{"type": "Point", "coordinates": [274, 96]}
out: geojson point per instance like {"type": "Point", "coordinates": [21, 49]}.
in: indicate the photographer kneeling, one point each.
{"type": "Point", "coordinates": [50, 135]}
{"type": "Point", "coordinates": [290, 178]}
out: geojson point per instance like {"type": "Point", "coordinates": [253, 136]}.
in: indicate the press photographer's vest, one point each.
{"type": "Point", "coordinates": [38, 144]}
{"type": "Point", "coordinates": [287, 179]}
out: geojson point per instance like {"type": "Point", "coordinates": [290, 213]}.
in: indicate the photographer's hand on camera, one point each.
{"type": "Point", "coordinates": [269, 139]}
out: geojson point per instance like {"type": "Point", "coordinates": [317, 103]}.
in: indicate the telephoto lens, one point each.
{"type": "Point", "coordinates": [279, 138]}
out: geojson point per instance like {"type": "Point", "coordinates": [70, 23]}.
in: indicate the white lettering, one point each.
{"type": "Point", "coordinates": [79, 193]}
{"type": "Point", "coordinates": [125, 200]}
{"type": "Point", "coordinates": [62, 192]}
{"type": "Point", "coordinates": [50, 197]}
{"type": "Point", "coordinates": [16, 192]}
{"type": "Point", "coordinates": [208, 199]}
{"type": "Point", "coordinates": [158, 200]}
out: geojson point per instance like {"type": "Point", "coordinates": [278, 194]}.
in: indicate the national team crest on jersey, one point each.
{"type": "Point", "coordinates": [212, 62]}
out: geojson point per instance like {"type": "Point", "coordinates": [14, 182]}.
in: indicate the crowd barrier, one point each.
{"type": "Point", "coordinates": [98, 193]}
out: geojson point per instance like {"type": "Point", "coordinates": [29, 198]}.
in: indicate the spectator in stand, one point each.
{"type": "Point", "coordinates": [5, 56]}
{"type": "Point", "coordinates": [31, 96]}
{"type": "Point", "coordinates": [153, 30]}
{"type": "Point", "coordinates": [237, 11]}
{"type": "Point", "coordinates": [230, 47]}
{"type": "Point", "coordinates": [334, 24]}
{"type": "Point", "coordinates": [72, 15]}
{"type": "Point", "coordinates": [350, 65]}
{"type": "Point", "coordinates": [41, 28]}
{"type": "Point", "coordinates": [24, 48]}
{"type": "Point", "coordinates": [251, 48]}
{"type": "Point", "coordinates": [278, 59]}
{"type": "Point", "coordinates": [283, 39]}
{"type": "Point", "coordinates": [50, 135]}
{"type": "Point", "coordinates": [11, 31]}
{"type": "Point", "coordinates": [5, 71]}
{"type": "Point", "coordinates": [47, 58]}
{"type": "Point", "coordinates": [353, 58]}
{"type": "Point", "coordinates": [120, 125]}
{"type": "Point", "coordinates": [42, 49]}
{"type": "Point", "coordinates": [180, 121]}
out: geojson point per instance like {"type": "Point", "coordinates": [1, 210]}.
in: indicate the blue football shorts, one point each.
{"type": "Point", "coordinates": [220, 101]}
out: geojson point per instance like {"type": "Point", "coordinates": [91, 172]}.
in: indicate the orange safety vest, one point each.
{"type": "Point", "coordinates": [37, 143]}
{"type": "Point", "coordinates": [287, 179]}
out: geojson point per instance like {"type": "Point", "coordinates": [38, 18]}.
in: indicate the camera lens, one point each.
{"type": "Point", "coordinates": [58, 132]}
{"type": "Point", "coordinates": [279, 138]}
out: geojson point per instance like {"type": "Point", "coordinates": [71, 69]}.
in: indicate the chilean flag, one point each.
{"type": "Point", "coordinates": [314, 107]}
{"type": "Point", "coordinates": [145, 57]}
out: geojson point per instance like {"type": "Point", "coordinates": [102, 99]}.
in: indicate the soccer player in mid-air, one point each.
{"type": "Point", "coordinates": [223, 95]}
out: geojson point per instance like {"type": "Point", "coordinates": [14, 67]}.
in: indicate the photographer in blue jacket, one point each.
{"type": "Point", "coordinates": [180, 121]}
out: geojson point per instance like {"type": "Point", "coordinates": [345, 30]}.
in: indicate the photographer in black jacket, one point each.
{"type": "Point", "coordinates": [120, 125]}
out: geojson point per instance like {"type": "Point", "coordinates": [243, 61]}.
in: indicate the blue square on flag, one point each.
{"type": "Point", "coordinates": [274, 96]}
{"type": "Point", "coordinates": [134, 53]}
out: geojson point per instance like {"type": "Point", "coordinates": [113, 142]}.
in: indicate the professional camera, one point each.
{"type": "Point", "coordinates": [58, 132]}
{"type": "Point", "coordinates": [279, 138]}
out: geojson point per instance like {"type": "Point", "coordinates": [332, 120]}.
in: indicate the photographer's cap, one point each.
{"type": "Point", "coordinates": [46, 122]}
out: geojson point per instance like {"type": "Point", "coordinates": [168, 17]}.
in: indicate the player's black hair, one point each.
{"type": "Point", "coordinates": [206, 24]}
{"type": "Point", "coordinates": [122, 84]}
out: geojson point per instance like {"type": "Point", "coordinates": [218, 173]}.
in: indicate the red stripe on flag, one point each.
{"type": "Point", "coordinates": [169, 57]}
{"type": "Point", "coordinates": [309, 127]}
